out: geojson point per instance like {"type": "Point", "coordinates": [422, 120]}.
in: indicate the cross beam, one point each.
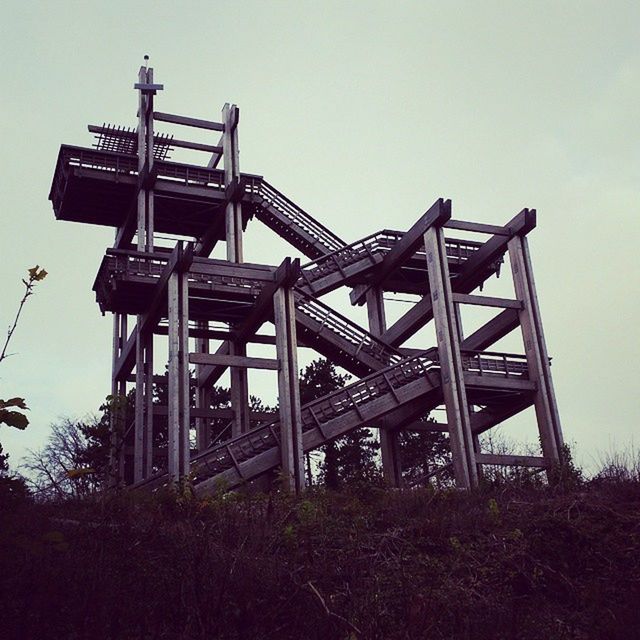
{"type": "Point", "coordinates": [179, 262]}
{"type": "Point", "coordinates": [285, 276]}
{"type": "Point", "coordinates": [437, 215]}
{"type": "Point", "coordinates": [470, 277]}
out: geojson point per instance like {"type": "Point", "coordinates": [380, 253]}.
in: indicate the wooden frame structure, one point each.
{"type": "Point", "coordinates": [128, 182]}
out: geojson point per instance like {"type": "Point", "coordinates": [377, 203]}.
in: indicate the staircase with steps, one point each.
{"type": "Point", "coordinates": [353, 262]}
{"type": "Point", "coordinates": [289, 221]}
{"type": "Point", "coordinates": [339, 339]}
{"type": "Point", "coordinates": [414, 380]}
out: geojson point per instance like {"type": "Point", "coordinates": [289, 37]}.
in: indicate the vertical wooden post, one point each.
{"type": "Point", "coordinates": [233, 226]}
{"type": "Point", "coordinates": [231, 156]}
{"type": "Point", "coordinates": [117, 413]}
{"type": "Point", "coordinates": [148, 407]}
{"type": "Point", "coordinates": [389, 445]}
{"type": "Point", "coordinates": [144, 416]}
{"type": "Point", "coordinates": [452, 375]}
{"type": "Point", "coordinates": [536, 349]}
{"type": "Point", "coordinates": [139, 428]}
{"type": "Point", "coordinates": [288, 391]}
{"type": "Point", "coordinates": [149, 201]}
{"type": "Point", "coordinates": [178, 369]}
{"type": "Point", "coordinates": [203, 395]}
{"type": "Point", "coordinates": [475, 438]}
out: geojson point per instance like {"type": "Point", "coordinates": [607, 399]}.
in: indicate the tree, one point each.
{"type": "Point", "coordinates": [8, 413]}
{"type": "Point", "coordinates": [60, 469]}
{"type": "Point", "coordinates": [75, 461]}
{"type": "Point", "coordinates": [424, 452]}
{"type": "Point", "coordinates": [13, 487]}
{"type": "Point", "coordinates": [350, 457]}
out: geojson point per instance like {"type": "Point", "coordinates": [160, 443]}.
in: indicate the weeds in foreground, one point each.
{"type": "Point", "coordinates": [509, 561]}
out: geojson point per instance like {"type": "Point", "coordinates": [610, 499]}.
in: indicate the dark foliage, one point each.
{"type": "Point", "coordinates": [505, 564]}
{"type": "Point", "coordinates": [351, 458]}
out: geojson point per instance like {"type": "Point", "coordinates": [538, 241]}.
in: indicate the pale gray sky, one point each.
{"type": "Point", "coordinates": [363, 113]}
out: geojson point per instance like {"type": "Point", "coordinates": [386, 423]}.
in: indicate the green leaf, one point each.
{"type": "Point", "coordinates": [14, 419]}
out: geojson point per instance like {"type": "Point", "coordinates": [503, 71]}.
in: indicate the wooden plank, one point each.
{"type": "Point", "coordinates": [178, 373]}
{"type": "Point", "coordinates": [188, 122]}
{"type": "Point", "coordinates": [496, 382]}
{"type": "Point", "coordinates": [451, 371]}
{"type": "Point", "coordinates": [389, 445]}
{"type": "Point", "coordinates": [195, 146]}
{"type": "Point", "coordinates": [171, 142]}
{"type": "Point", "coordinates": [436, 215]}
{"type": "Point", "coordinates": [218, 334]}
{"type": "Point", "coordinates": [492, 331]}
{"type": "Point", "coordinates": [476, 227]}
{"type": "Point", "coordinates": [419, 426]}
{"type": "Point", "coordinates": [291, 449]}
{"type": "Point", "coordinates": [511, 461]}
{"type": "Point", "coordinates": [217, 414]}
{"type": "Point", "coordinates": [234, 361]}
{"type": "Point", "coordinates": [535, 350]}
{"type": "Point", "coordinates": [491, 416]}
{"type": "Point", "coordinates": [469, 278]}
{"type": "Point", "coordinates": [487, 301]}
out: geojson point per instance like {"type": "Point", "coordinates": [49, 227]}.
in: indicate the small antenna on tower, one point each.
{"type": "Point", "coordinates": [146, 60]}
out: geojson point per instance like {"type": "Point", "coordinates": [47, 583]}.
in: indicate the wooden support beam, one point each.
{"type": "Point", "coordinates": [492, 331]}
{"type": "Point", "coordinates": [487, 301]}
{"type": "Point", "coordinates": [451, 370]}
{"type": "Point", "coordinates": [188, 122]}
{"type": "Point", "coordinates": [419, 426]}
{"type": "Point", "coordinates": [469, 278]}
{"type": "Point", "coordinates": [217, 414]}
{"type": "Point", "coordinates": [179, 261]}
{"type": "Point", "coordinates": [178, 370]}
{"type": "Point", "coordinates": [195, 146]}
{"type": "Point", "coordinates": [491, 416]}
{"type": "Point", "coordinates": [291, 448]}
{"type": "Point", "coordinates": [214, 161]}
{"type": "Point", "coordinates": [234, 361]}
{"type": "Point", "coordinates": [436, 215]}
{"type": "Point", "coordinates": [285, 275]}
{"type": "Point", "coordinates": [233, 235]}
{"type": "Point", "coordinates": [116, 412]}
{"type": "Point", "coordinates": [171, 142]}
{"type": "Point", "coordinates": [218, 334]}
{"type": "Point", "coordinates": [389, 445]}
{"type": "Point", "coordinates": [476, 227]}
{"type": "Point", "coordinates": [536, 350]}
{"type": "Point", "coordinates": [512, 461]}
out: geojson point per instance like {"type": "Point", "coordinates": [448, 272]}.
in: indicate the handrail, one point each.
{"type": "Point", "coordinates": [346, 328]}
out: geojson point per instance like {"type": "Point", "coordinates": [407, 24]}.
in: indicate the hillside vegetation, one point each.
{"type": "Point", "coordinates": [505, 562]}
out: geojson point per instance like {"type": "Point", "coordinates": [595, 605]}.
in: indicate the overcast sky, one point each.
{"type": "Point", "coordinates": [363, 113]}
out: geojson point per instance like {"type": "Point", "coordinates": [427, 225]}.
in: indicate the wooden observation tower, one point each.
{"type": "Point", "coordinates": [127, 181]}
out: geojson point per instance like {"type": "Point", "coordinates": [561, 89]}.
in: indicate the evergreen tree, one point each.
{"type": "Point", "coordinates": [350, 457]}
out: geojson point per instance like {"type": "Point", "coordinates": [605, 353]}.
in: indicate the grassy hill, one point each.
{"type": "Point", "coordinates": [505, 562]}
